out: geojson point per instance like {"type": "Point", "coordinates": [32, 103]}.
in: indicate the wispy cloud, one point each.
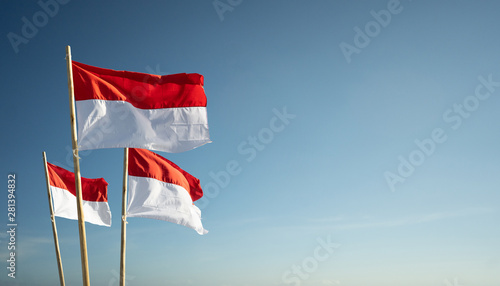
{"type": "Point", "coordinates": [414, 219]}
{"type": "Point", "coordinates": [338, 218]}
{"type": "Point", "coordinates": [33, 245]}
{"type": "Point", "coordinates": [28, 246]}
{"type": "Point", "coordinates": [350, 222]}
{"type": "Point", "coordinates": [346, 222]}
{"type": "Point", "coordinates": [323, 282]}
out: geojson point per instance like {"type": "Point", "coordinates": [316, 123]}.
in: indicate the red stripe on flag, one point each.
{"type": "Point", "coordinates": [94, 190]}
{"type": "Point", "coordinates": [144, 91]}
{"type": "Point", "coordinates": [144, 163]}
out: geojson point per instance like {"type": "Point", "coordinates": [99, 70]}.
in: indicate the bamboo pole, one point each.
{"type": "Point", "coordinates": [54, 228]}
{"type": "Point", "coordinates": [78, 181]}
{"type": "Point", "coordinates": [124, 218]}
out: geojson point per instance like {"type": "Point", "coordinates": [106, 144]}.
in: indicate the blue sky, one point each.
{"type": "Point", "coordinates": [384, 172]}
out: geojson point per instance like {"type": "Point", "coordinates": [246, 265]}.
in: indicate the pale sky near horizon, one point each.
{"type": "Point", "coordinates": [365, 132]}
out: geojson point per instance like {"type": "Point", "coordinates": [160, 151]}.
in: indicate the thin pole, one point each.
{"type": "Point", "coordinates": [78, 180]}
{"type": "Point", "coordinates": [124, 218]}
{"type": "Point", "coordinates": [54, 228]}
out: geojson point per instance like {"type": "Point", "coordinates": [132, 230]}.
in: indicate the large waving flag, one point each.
{"type": "Point", "coordinates": [118, 109]}
{"type": "Point", "coordinates": [159, 189]}
{"type": "Point", "coordinates": [94, 196]}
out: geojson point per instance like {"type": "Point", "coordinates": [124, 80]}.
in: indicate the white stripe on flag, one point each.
{"type": "Point", "coordinates": [151, 198]}
{"type": "Point", "coordinates": [65, 206]}
{"type": "Point", "coordinates": [118, 124]}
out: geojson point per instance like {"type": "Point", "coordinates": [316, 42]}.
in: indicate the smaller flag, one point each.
{"type": "Point", "coordinates": [94, 196]}
{"type": "Point", "coordinates": [159, 189]}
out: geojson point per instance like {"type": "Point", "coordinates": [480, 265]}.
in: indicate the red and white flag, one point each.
{"type": "Point", "coordinates": [118, 109]}
{"type": "Point", "coordinates": [94, 196]}
{"type": "Point", "coordinates": [159, 189]}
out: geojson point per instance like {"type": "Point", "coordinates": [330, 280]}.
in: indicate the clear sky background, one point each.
{"type": "Point", "coordinates": [361, 94]}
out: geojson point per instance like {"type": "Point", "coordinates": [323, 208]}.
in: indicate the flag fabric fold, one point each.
{"type": "Point", "coordinates": [159, 189]}
{"type": "Point", "coordinates": [94, 196]}
{"type": "Point", "coordinates": [118, 109]}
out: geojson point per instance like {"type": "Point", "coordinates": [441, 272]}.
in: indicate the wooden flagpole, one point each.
{"type": "Point", "coordinates": [124, 218]}
{"type": "Point", "coordinates": [78, 180]}
{"type": "Point", "coordinates": [54, 229]}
